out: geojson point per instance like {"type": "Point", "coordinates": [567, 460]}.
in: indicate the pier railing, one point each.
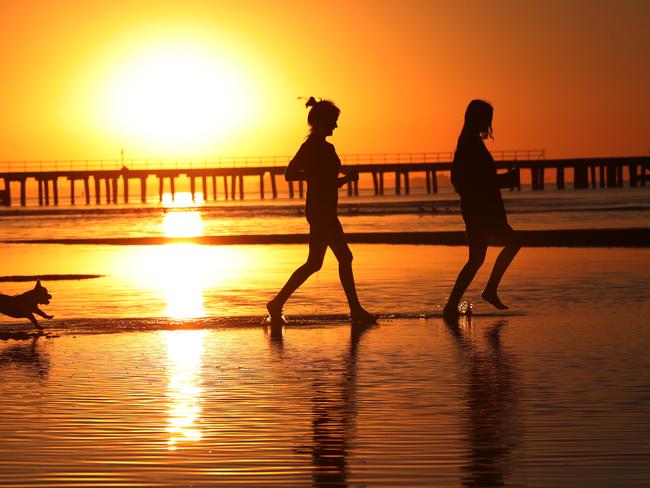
{"type": "Point", "coordinates": [243, 161]}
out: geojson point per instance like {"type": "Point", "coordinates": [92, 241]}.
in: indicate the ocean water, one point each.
{"type": "Point", "coordinates": [158, 372]}
{"type": "Point", "coordinates": [527, 210]}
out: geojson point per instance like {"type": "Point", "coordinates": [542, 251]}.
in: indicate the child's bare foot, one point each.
{"type": "Point", "coordinates": [362, 317]}
{"type": "Point", "coordinates": [275, 313]}
{"type": "Point", "coordinates": [491, 297]}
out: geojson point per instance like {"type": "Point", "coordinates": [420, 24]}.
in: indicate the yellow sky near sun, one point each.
{"type": "Point", "coordinates": [82, 79]}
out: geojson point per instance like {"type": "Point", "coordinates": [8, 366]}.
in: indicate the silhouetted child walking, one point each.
{"type": "Point", "coordinates": [475, 178]}
{"type": "Point", "coordinates": [317, 163]}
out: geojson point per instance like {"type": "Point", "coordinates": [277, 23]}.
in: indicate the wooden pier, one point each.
{"type": "Point", "coordinates": [112, 185]}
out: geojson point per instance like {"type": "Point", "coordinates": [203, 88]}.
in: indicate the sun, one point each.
{"type": "Point", "coordinates": [179, 98]}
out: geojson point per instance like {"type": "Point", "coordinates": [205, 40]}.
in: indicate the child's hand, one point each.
{"type": "Point", "coordinates": [509, 179]}
{"type": "Point", "coordinates": [352, 175]}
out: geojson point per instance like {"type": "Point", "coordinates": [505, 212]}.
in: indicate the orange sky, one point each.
{"type": "Point", "coordinates": [82, 79]}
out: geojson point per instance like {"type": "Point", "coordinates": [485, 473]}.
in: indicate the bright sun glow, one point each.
{"type": "Point", "coordinates": [178, 97]}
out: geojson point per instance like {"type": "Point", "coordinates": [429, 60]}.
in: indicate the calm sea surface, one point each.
{"type": "Point", "coordinates": [553, 392]}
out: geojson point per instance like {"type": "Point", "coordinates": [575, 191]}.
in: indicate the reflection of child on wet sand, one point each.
{"type": "Point", "coordinates": [475, 178]}
{"type": "Point", "coordinates": [318, 164]}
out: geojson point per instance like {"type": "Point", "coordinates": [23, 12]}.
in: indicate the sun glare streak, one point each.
{"type": "Point", "coordinates": [184, 352]}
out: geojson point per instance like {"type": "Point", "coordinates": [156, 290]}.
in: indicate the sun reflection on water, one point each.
{"type": "Point", "coordinates": [179, 266]}
{"type": "Point", "coordinates": [182, 199]}
{"type": "Point", "coordinates": [185, 277]}
{"type": "Point", "coordinates": [182, 224]}
{"type": "Point", "coordinates": [182, 281]}
{"type": "Point", "coordinates": [184, 353]}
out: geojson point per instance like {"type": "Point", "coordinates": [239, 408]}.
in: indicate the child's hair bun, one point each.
{"type": "Point", "coordinates": [311, 102]}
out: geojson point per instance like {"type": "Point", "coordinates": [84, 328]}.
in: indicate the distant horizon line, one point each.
{"type": "Point", "coordinates": [402, 156]}
{"type": "Point", "coordinates": [538, 153]}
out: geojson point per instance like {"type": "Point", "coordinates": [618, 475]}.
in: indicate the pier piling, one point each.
{"type": "Point", "coordinates": [143, 189]}
{"type": "Point", "coordinates": [97, 189]}
{"type": "Point", "coordinates": [23, 192]}
{"type": "Point", "coordinates": [274, 188]}
{"type": "Point", "coordinates": [559, 177]}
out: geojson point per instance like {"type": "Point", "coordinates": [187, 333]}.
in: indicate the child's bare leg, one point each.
{"type": "Point", "coordinates": [317, 248]}
{"type": "Point", "coordinates": [358, 314]}
{"type": "Point", "coordinates": [504, 259]}
{"type": "Point", "coordinates": [477, 250]}
{"type": "Point", "coordinates": [344, 256]}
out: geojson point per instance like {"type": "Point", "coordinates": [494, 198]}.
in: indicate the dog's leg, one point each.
{"type": "Point", "coordinates": [38, 311]}
{"type": "Point", "coordinates": [34, 321]}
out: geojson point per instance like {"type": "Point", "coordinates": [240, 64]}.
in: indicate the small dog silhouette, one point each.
{"type": "Point", "coordinates": [26, 304]}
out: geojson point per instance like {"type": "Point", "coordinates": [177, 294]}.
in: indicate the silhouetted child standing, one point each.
{"type": "Point", "coordinates": [317, 163]}
{"type": "Point", "coordinates": [475, 178]}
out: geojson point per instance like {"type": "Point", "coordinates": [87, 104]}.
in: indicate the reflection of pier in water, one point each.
{"type": "Point", "coordinates": [209, 175]}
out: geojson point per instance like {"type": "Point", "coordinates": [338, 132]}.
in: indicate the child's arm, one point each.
{"type": "Point", "coordinates": [509, 179]}
{"type": "Point", "coordinates": [350, 175]}
{"type": "Point", "coordinates": [297, 167]}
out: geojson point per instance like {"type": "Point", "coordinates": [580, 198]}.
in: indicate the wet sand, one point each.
{"type": "Point", "coordinates": [516, 400]}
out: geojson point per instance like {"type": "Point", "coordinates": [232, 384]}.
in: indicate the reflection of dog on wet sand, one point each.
{"type": "Point", "coordinates": [26, 304]}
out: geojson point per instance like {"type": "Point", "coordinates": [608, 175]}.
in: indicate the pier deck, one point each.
{"type": "Point", "coordinates": [611, 172]}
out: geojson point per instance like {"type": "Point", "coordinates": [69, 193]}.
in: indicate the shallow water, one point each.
{"type": "Point", "coordinates": [509, 401]}
{"type": "Point", "coordinates": [193, 281]}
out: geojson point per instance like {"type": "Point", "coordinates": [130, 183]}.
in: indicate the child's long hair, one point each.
{"type": "Point", "coordinates": [478, 119]}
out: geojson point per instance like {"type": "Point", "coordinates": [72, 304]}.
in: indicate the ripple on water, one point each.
{"type": "Point", "coordinates": [510, 401]}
